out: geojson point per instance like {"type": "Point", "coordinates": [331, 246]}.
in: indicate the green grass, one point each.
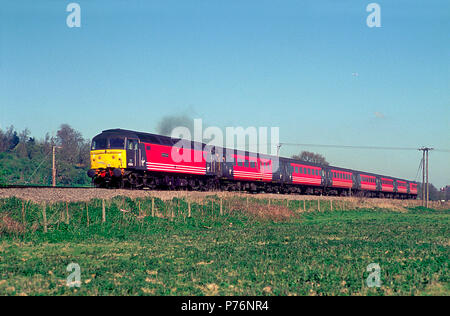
{"type": "Point", "coordinates": [314, 253]}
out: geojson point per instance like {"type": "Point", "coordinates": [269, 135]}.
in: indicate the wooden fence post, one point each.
{"type": "Point", "coordinates": [44, 215]}
{"type": "Point", "coordinates": [67, 213]}
{"type": "Point", "coordinates": [318, 204]}
{"type": "Point", "coordinates": [153, 207]}
{"type": "Point", "coordinates": [23, 213]}
{"type": "Point", "coordinates": [304, 205]}
{"type": "Point", "coordinates": [103, 211]}
{"type": "Point", "coordinates": [87, 214]}
{"type": "Point", "coordinates": [331, 204]}
{"type": "Point", "coordinates": [221, 210]}
{"type": "Point", "coordinates": [189, 208]}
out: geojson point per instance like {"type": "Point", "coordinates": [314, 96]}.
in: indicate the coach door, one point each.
{"type": "Point", "coordinates": [132, 153]}
{"type": "Point", "coordinates": [214, 161]}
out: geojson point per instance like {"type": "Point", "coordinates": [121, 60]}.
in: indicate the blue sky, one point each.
{"type": "Point", "coordinates": [238, 63]}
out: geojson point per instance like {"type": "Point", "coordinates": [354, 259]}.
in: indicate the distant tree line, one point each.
{"type": "Point", "coordinates": [434, 193]}
{"type": "Point", "coordinates": [308, 156]}
{"type": "Point", "coordinates": [27, 160]}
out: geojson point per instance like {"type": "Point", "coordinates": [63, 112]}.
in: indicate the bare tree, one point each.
{"type": "Point", "coordinates": [71, 141]}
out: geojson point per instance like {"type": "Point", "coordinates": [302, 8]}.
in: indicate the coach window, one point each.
{"type": "Point", "coordinates": [252, 164]}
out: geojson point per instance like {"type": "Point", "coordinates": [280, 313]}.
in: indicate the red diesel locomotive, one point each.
{"type": "Point", "coordinates": [129, 159]}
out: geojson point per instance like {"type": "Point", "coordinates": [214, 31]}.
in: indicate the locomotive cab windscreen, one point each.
{"type": "Point", "coordinates": [108, 152]}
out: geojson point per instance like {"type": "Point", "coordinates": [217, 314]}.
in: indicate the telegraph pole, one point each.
{"type": "Point", "coordinates": [54, 165]}
{"type": "Point", "coordinates": [425, 189]}
{"type": "Point", "coordinates": [423, 178]}
{"type": "Point", "coordinates": [428, 191]}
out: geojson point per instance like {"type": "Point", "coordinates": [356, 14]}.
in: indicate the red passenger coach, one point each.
{"type": "Point", "coordinates": [401, 187]}
{"type": "Point", "coordinates": [387, 185]}
{"type": "Point", "coordinates": [307, 175]}
{"type": "Point", "coordinates": [341, 179]}
{"type": "Point", "coordinates": [368, 182]}
{"type": "Point", "coordinates": [161, 158]}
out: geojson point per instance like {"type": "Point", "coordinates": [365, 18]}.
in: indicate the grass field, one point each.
{"type": "Point", "coordinates": [243, 250]}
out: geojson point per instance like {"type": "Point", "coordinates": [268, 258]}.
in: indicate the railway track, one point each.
{"type": "Point", "coordinates": [19, 186]}
{"type": "Point", "coordinates": [50, 194]}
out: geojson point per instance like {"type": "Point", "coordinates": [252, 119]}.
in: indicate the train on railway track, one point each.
{"type": "Point", "coordinates": [129, 159]}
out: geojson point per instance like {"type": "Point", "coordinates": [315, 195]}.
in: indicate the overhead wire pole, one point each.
{"type": "Point", "coordinates": [423, 179]}
{"type": "Point", "coordinates": [54, 165]}
{"type": "Point", "coordinates": [428, 190]}
{"type": "Point", "coordinates": [425, 188]}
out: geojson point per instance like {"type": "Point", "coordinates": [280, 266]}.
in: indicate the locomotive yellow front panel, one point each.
{"type": "Point", "coordinates": [108, 158]}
